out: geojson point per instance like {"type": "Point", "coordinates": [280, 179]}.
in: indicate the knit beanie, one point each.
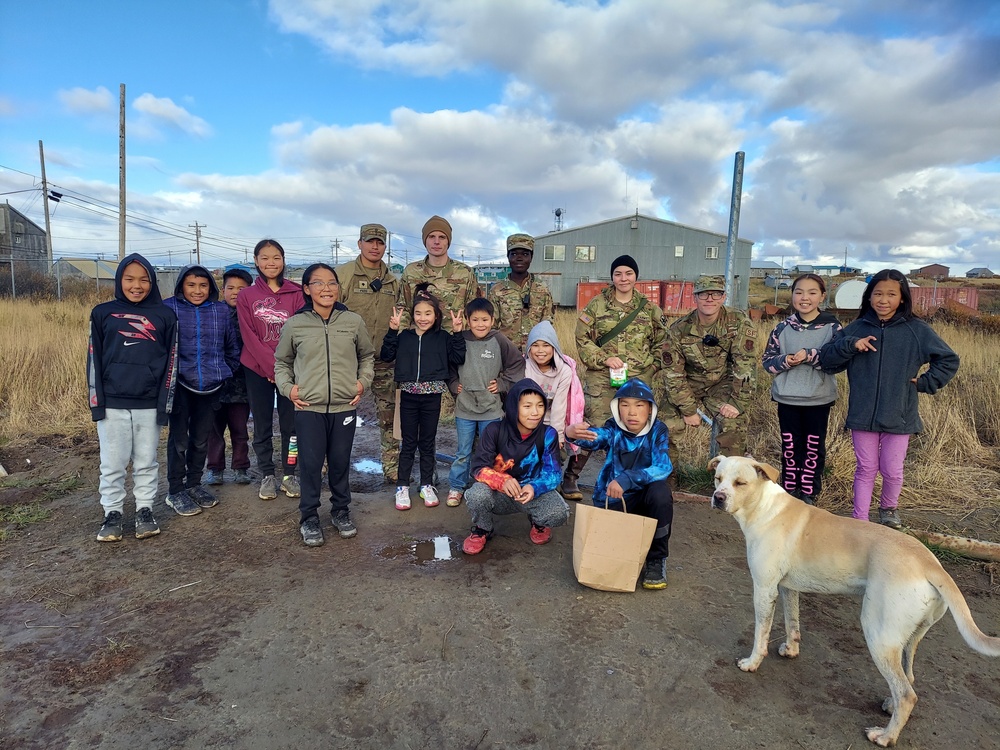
{"type": "Point", "coordinates": [436, 224]}
{"type": "Point", "coordinates": [625, 260]}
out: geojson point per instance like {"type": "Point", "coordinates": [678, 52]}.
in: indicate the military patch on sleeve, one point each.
{"type": "Point", "coordinates": [668, 358]}
{"type": "Point", "coordinates": [750, 332]}
{"type": "Point", "coordinates": [586, 319]}
{"type": "Point", "coordinates": [748, 345]}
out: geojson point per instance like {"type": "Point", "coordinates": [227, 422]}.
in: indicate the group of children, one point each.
{"type": "Point", "coordinates": [201, 365]}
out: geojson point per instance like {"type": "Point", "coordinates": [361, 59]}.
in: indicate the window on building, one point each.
{"type": "Point", "coordinates": [678, 251]}
{"type": "Point", "coordinates": [17, 239]}
{"type": "Point", "coordinates": [712, 252]}
{"type": "Point", "coordinates": [586, 253]}
{"type": "Point", "coordinates": [554, 252]}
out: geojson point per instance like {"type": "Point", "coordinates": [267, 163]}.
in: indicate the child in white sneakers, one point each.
{"type": "Point", "coordinates": [423, 357]}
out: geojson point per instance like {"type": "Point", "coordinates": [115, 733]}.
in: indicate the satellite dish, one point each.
{"type": "Point", "coordinates": [848, 295]}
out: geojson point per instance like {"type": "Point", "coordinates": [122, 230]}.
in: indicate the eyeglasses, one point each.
{"type": "Point", "coordinates": [710, 340]}
{"type": "Point", "coordinates": [375, 285]}
{"type": "Point", "coordinates": [323, 285]}
{"type": "Point", "coordinates": [710, 295]}
{"type": "Point", "coordinates": [526, 301]}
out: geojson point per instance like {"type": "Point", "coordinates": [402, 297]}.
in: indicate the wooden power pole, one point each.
{"type": "Point", "coordinates": [121, 172]}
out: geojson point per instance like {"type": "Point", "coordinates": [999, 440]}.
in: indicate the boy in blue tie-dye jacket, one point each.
{"type": "Point", "coordinates": [634, 476]}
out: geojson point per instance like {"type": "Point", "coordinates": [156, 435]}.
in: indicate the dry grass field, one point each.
{"type": "Point", "coordinates": [950, 467]}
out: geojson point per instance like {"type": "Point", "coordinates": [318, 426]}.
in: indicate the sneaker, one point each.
{"type": "Point", "coordinates": [889, 517]}
{"type": "Point", "coordinates": [290, 486]}
{"type": "Point", "coordinates": [430, 495]}
{"type": "Point", "coordinates": [111, 529]}
{"type": "Point", "coordinates": [454, 498]}
{"type": "Point", "coordinates": [540, 534]}
{"type": "Point", "coordinates": [475, 541]}
{"type": "Point", "coordinates": [183, 504]}
{"type": "Point", "coordinates": [402, 498]}
{"type": "Point", "coordinates": [342, 523]}
{"type": "Point", "coordinates": [145, 524]}
{"type": "Point", "coordinates": [203, 497]}
{"type": "Point", "coordinates": [242, 476]}
{"type": "Point", "coordinates": [312, 534]}
{"type": "Point", "coordinates": [268, 488]}
{"type": "Point", "coordinates": [654, 575]}
{"type": "Point", "coordinates": [212, 477]}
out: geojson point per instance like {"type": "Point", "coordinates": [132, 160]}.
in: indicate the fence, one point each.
{"type": "Point", "coordinates": [37, 277]}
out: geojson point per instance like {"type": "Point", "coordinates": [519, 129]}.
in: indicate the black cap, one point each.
{"type": "Point", "coordinates": [625, 260]}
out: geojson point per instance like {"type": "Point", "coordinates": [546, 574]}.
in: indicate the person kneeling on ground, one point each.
{"type": "Point", "coordinates": [634, 476]}
{"type": "Point", "coordinates": [516, 468]}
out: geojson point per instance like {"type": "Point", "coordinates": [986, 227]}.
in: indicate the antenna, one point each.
{"type": "Point", "coordinates": [559, 213]}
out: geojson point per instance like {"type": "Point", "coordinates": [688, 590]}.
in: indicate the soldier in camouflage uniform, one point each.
{"type": "Point", "coordinates": [521, 301]}
{"type": "Point", "coordinates": [638, 346]}
{"type": "Point", "coordinates": [709, 364]}
{"type": "Point", "coordinates": [370, 289]}
{"type": "Point", "coordinates": [452, 282]}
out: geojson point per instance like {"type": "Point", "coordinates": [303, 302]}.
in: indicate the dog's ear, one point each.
{"type": "Point", "coordinates": [766, 470]}
{"type": "Point", "coordinates": [714, 463]}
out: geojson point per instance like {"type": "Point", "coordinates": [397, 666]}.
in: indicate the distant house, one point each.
{"type": "Point", "coordinates": [762, 268]}
{"type": "Point", "coordinates": [801, 269]}
{"type": "Point", "coordinates": [98, 270]}
{"type": "Point", "coordinates": [933, 271]}
{"type": "Point", "coordinates": [20, 237]}
{"type": "Point", "coordinates": [980, 273]}
{"type": "Point", "coordinates": [826, 270]}
{"type": "Point", "coordinates": [487, 273]}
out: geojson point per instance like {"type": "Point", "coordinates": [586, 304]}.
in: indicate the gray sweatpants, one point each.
{"type": "Point", "coordinates": [548, 509]}
{"type": "Point", "coordinates": [128, 435]}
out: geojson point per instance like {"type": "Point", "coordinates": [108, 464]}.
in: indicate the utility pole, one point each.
{"type": "Point", "coordinates": [45, 202]}
{"type": "Point", "coordinates": [335, 246]}
{"type": "Point", "coordinates": [121, 172]}
{"type": "Point", "coordinates": [197, 239]}
{"type": "Point", "coordinates": [388, 248]}
{"type": "Point", "coordinates": [734, 222]}
{"type": "Point", "coordinates": [246, 255]}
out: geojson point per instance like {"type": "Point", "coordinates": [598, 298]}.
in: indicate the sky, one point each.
{"type": "Point", "coordinates": [871, 128]}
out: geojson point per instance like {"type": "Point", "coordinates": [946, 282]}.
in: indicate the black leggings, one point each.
{"type": "Point", "coordinates": [260, 394]}
{"type": "Point", "coordinates": [419, 414]}
{"type": "Point", "coordinates": [655, 501]}
{"type": "Point", "coordinates": [803, 448]}
{"type": "Point", "coordinates": [328, 437]}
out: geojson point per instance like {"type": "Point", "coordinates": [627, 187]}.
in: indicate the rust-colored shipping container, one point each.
{"type": "Point", "coordinates": [651, 289]}
{"type": "Point", "coordinates": [677, 297]}
{"type": "Point", "coordinates": [927, 299]}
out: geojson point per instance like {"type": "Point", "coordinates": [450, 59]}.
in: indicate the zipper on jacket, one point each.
{"type": "Point", "coordinates": [197, 329]}
{"type": "Point", "coordinates": [878, 376]}
{"type": "Point", "coordinates": [329, 381]}
{"type": "Point", "coordinates": [420, 343]}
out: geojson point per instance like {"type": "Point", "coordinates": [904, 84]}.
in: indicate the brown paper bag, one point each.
{"type": "Point", "coordinates": [609, 547]}
{"type": "Point", "coordinates": [397, 431]}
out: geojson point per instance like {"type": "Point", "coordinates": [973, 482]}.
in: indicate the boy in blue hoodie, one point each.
{"type": "Point", "coordinates": [131, 368]}
{"type": "Point", "coordinates": [636, 470]}
{"type": "Point", "coordinates": [208, 353]}
{"type": "Point", "coordinates": [516, 468]}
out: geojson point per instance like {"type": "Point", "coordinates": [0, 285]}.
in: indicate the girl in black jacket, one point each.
{"type": "Point", "coordinates": [423, 356]}
{"type": "Point", "coordinates": [883, 351]}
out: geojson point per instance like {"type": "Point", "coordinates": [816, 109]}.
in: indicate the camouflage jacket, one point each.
{"type": "Point", "coordinates": [454, 284]}
{"type": "Point", "coordinates": [638, 345]}
{"type": "Point", "coordinates": [690, 366]}
{"type": "Point", "coordinates": [510, 316]}
{"type": "Point", "coordinates": [375, 308]}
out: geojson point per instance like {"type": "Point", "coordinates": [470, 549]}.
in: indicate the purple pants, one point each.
{"type": "Point", "coordinates": [877, 452]}
{"type": "Point", "coordinates": [233, 416]}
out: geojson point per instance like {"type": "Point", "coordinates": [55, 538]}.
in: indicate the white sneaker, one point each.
{"type": "Point", "coordinates": [430, 495]}
{"type": "Point", "coordinates": [402, 498]}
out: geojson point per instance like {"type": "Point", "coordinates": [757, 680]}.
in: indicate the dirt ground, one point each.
{"type": "Point", "coordinates": [225, 631]}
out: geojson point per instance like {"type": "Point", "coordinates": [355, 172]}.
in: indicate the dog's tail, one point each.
{"type": "Point", "coordinates": [976, 638]}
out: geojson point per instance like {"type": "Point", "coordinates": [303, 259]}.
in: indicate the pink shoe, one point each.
{"type": "Point", "coordinates": [430, 495]}
{"type": "Point", "coordinates": [402, 498]}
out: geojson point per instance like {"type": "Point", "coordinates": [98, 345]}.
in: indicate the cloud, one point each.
{"type": "Point", "coordinates": [80, 101]}
{"type": "Point", "coordinates": [162, 112]}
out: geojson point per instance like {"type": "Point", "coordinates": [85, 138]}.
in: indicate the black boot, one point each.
{"type": "Point", "coordinates": [569, 488]}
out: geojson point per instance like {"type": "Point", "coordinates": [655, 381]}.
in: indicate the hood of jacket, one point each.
{"type": "Point", "coordinates": [546, 332]}
{"type": "Point", "coordinates": [213, 288]}
{"type": "Point", "coordinates": [153, 298]}
{"type": "Point", "coordinates": [634, 388]}
{"type": "Point", "coordinates": [509, 442]}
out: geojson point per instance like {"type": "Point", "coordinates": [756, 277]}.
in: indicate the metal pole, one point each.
{"type": "Point", "coordinates": [13, 287]}
{"type": "Point", "coordinates": [734, 222]}
{"type": "Point", "coordinates": [58, 281]}
{"type": "Point", "coordinates": [121, 172]}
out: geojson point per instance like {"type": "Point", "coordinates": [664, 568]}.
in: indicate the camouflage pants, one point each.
{"type": "Point", "coordinates": [732, 433]}
{"type": "Point", "coordinates": [598, 391]}
{"type": "Point", "coordinates": [384, 391]}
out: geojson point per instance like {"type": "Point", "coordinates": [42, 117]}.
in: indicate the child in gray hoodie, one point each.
{"type": "Point", "coordinates": [492, 365]}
